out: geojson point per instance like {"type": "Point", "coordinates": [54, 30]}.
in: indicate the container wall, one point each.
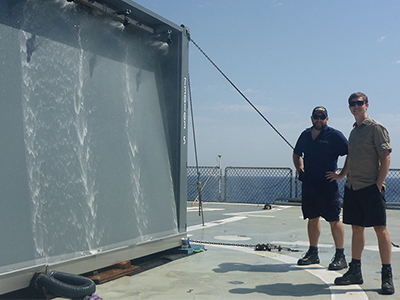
{"type": "Point", "coordinates": [91, 132]}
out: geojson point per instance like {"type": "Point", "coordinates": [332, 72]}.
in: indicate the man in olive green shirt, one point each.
{"type": "Point", "coordinates": [364, 205]}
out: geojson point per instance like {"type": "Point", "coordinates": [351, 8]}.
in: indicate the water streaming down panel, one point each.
{"type": "Point", "coordinates": [90, 133]}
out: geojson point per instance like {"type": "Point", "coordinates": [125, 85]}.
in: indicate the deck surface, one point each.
{"type": "Point", "coordinates": [236, 272]}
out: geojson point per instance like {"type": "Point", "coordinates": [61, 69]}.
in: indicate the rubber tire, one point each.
{"type": "Point", "coordinates": [67, 285]}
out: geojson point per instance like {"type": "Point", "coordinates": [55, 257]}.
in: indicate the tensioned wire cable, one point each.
{"type": "Point", "coordinates": [240, 92]}
{"type": "Point", "coordinates": [191, 110]}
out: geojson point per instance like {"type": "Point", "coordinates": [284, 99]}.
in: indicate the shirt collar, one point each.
{"type": "Point", "coordinates": [367, 121]}
{"type": "Point", "coordinates": [323, 130]}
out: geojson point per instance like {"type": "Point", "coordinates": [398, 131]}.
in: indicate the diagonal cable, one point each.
{"type": "Point", "coordinates": [240, 92]}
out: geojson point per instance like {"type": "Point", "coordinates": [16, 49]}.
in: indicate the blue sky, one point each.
{"type": "Point", "coordinates": [287, 57]}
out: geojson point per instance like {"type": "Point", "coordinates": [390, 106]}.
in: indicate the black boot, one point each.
{"type": "Point", "coordinates": [338, 262]}
{"type": "Point", "coordinates": [311, 257]}
{"type": "Point", "coordinates": [352, 276]}
{"type": "Point", "coordinates": [387, 281]}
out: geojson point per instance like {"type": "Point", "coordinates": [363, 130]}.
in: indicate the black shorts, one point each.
{"type": "Point", "coordinates": [320, 201]}
{"type": "Point", "coordinates": [365, 207]}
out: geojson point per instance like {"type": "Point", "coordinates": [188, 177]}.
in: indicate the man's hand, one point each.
{"type": "Point", "coordinates": [334, 176]}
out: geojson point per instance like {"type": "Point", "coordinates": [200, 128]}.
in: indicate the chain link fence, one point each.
{"type": "Point", "coordinates": [257, 185]}
{"type": "Point", "coordinates": [211, 184]}
{"type": "Point", "coordinates": [392, 193]}
{"type": "Point", "coordinates": [263, 185]}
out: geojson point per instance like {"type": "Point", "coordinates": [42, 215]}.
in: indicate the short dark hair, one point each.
{"type": "Point", "coordinates": [357, 96]}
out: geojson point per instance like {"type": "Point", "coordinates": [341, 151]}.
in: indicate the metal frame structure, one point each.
{"type": "Point", "coordinates": [136, 19]}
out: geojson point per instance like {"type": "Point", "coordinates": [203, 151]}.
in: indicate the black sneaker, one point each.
{"type": "Point", "coordinates": [311, 257]}
{"type": "Point", "coordinates": [387, 282]}
{"type": "Point", "coordinates": [352, 276]}
{"type": "Point", "coordinates": [338, 263]}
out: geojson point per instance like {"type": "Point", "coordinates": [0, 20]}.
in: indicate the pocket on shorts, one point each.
{"type": "Point", "coordinates": [380, 194]}
{"type": "Point", "coordinates": [383, 191]}
{"type": "Point", "coordinates": [302, 176]}
{"type": "Point", "coordinates": [370, 191]}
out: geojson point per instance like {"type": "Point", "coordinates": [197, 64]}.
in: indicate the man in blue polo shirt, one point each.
{"type": "Point", "coordinates": [319, 147]}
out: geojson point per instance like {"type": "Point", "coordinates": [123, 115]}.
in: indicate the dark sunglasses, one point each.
{"type": "Point", "coordinates": [316, 117]}
{"type": "Point", "coordinates": [359, 103]}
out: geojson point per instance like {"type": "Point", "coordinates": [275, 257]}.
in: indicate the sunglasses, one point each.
{"type": "Point", "coordinates": [316, 117]}
{"type": "Point", "coordinates": [359, 103]}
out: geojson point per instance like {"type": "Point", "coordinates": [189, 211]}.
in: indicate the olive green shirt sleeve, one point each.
{"type": "Point", "coordinates": [382, 140]}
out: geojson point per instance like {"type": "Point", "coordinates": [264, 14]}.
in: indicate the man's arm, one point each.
{"type": "Point", "coordinates": [338, 176]}
{"type": "Point", "coordinates": [384, 169]}
{"type": "Point", "coordinates": [298, 163]}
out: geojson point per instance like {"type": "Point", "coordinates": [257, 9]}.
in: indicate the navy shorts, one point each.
{"type": "Point", "coordinates": [365, 207]}
{"type": "Point", "coordinates": [320, 201]}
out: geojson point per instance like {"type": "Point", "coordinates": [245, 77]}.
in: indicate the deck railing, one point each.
{"type": "Point", "coordinates": [262, 185]}
{"type": "Point", "coordinates": [211, 184]}
{"type": "Point", "coordinates": [257, 185]}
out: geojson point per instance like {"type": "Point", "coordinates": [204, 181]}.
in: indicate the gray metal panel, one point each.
{"type": "Point", "coordinates": [182, 217]}
{"type": "Point", "coordinates": [15, 212]}
{"type": "Point", "coordinates": [92, 134]}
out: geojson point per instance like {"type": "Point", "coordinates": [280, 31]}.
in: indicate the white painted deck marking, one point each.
{"type": "Point", "coordinates": [301, 243]}
{"type": "Point", "coordinates": [215, 223]}
{"type": "Point", "coordinates": [337, 292]}
{"type": "Point", "coordinates": [344, 292]}
{"type": "Point", "coordinates": [258, 212]}
{"type": "Point", "coordinates": [196, 209]}
{"type": "Point", "coordinates": [232, 238]}
{"type": "Point", "coordinates": [376, 249]}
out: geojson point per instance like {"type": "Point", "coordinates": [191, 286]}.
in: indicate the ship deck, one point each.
{"type": "Point", "coordinates": [230, 268]}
